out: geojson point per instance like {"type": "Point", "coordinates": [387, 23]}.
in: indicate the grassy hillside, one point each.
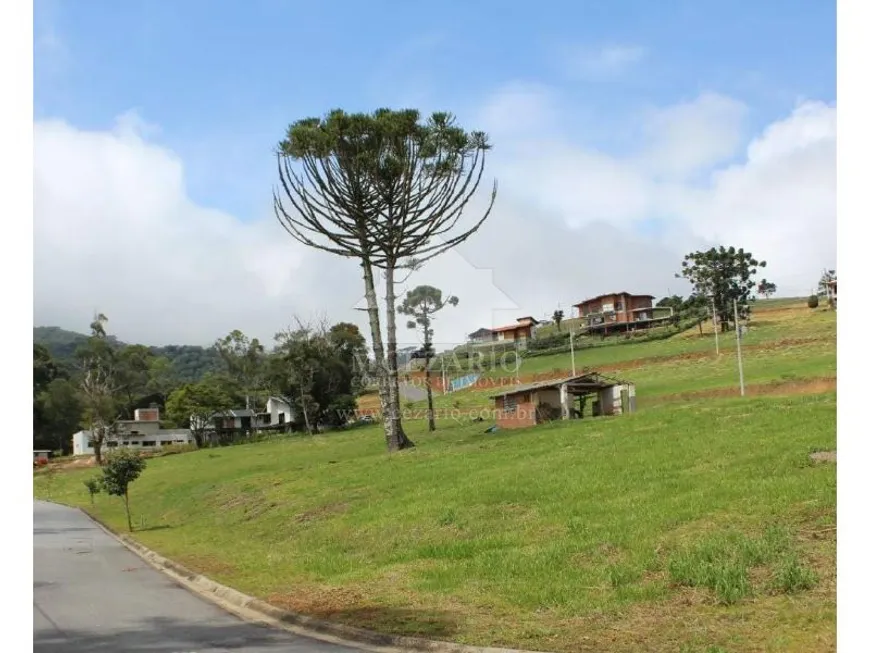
{"type": "Point", "coordinates": [679, 526]}
{"type": "Point", "coordinates": [698, 522]}
{"type": "Point", "coordinates": [787, 344]}
{"type": "Point", "coordinates": [190, 362]}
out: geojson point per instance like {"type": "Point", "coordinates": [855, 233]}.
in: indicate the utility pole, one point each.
{"type": "Point", "coordinates": [739, 354]}
{"type": "Point", "coordinates": [573, 367]}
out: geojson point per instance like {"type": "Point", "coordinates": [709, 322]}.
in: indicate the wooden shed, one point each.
{"type": "Point", "coordinates": [565, 398]}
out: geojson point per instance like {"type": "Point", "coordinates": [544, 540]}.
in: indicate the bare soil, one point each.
{"type": "Point", "coordinates": [824, 457]}
{"type": "Point", "coordinates": [788, 388]}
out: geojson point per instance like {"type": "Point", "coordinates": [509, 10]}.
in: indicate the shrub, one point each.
{"type": "Point", "coordinates": [813, 301]}
{"type": "Point", "coordinates": [93, 486]}
{"type": "Point", "coordinates": [122, 468]}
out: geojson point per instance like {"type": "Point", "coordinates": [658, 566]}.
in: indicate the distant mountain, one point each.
{"type": "Point", "coordinates": [190, 362]}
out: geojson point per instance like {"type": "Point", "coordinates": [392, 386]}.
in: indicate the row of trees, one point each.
{"type": "Point", "coordinates": [106, 382]}
{"type": "Point", "coordinates": [320, 368]}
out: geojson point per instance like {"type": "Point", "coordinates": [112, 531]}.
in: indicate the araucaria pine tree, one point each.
{"type": "Point", "coordinates": [422, 303]}
{"type": "Point", "coordinates": [388, 190]}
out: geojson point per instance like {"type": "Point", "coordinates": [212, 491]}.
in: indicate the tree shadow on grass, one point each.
{"type": "Point", "coordinates": [428, 624]}
{"type": "Point", "coordinates": [145, 529]}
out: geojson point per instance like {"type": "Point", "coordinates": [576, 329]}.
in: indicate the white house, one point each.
{"type": "Point", "coordinates": [279, 411]}
{"type": "Point", "coordinates": [143, 431]}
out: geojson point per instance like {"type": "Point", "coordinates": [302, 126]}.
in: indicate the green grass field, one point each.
{"type": "Point", "coordinates": [692, 524]}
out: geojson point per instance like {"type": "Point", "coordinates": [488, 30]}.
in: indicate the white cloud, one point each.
{"type": "Point", "coordinates": [691, 136]}
{"type": "Point", "coordinates": [778, 199]}
{"type": "Point", "coordinates": [601, 62]}
{"type": "Point", "coordinates": [115, 230]}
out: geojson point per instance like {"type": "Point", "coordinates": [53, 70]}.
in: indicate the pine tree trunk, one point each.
{"type": "Point", "coordinates": [431, 413]}
{"type": "Point", "coordinates": [427, 343]}
{"type": "Point", "coordinates": [401, 441]}
{"type": "Point", "coordinates": [387, 412]}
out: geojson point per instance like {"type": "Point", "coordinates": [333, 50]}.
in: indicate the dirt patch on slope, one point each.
{"type": "Point", "coordinates": [791, 387]}
{"type": "Point", "coordinates": [824, 457]}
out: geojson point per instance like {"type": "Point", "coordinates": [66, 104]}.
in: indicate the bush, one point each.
{"type": "Point", "coordinates": [122, 468]}
{"type": "Point", "coordinates": [550, 342]}
{"type": "Point", "coordinates": [93, 486]}
{"type": "Point", "coordinates": [813, 301]}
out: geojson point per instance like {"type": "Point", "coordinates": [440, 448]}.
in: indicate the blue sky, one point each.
{"type": "Point", "coordinates": [222, 80]}
{"type": "Point", "coordinates": [626, 132]}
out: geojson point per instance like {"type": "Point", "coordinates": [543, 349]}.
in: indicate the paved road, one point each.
{"type": "Point", "coordinates": [411, 392]}
{"type": "Point", "coordinates": [92, 595]}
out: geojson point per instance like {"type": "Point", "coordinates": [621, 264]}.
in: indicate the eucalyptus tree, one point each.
{"type": "Point", "coordinates": [387, 189]}
{"type": "Point", "coordinates": [245, 361]}
{"type": "Point", "coordinates": [99, 384]}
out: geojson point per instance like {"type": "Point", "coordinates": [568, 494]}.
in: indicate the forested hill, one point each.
{"type": "Point", "coordinates": [189, 362]}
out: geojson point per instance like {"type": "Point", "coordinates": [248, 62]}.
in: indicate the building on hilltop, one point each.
{"type": "Point", "coordinates": [482, 335]}
{"type": "Point", "coordinates": [521, 332]}
{"type": "Point", "coordinates": [621, 311]}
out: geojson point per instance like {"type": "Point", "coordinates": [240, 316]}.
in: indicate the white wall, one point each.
{"type": "Point", "coordinates": [276, 407]}
{"type": "Point", "coordinates": [155, 440]}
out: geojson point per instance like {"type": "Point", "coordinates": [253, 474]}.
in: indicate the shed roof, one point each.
{"type": "Point", "coordinates": [585, 381]}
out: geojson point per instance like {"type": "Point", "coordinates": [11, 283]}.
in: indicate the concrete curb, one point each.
{"type": "Point", "coordinates": [258, 611]}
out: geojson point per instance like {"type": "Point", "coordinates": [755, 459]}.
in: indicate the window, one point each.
{"type": "Point", "coordinates": [112, 443]}
{"type": "Point", "coordinates": [90, 444]}
{"type": "Point", "coordinates": [510, 404]}
{"type": "Point", "coordinates": [147, 443]}
{"type": "Point", "coordinates": [126, 443]}
{"type": "Point", "coordinates": [280, 418]}
{"type": "Point", "coordinates": [136, 442]}
{"type": "Point", "coordinates": [267, 418]}
{"type": "Point", "coordinates": [619, 306]}
{"type": "Point", "coordinates": [164, 443]}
